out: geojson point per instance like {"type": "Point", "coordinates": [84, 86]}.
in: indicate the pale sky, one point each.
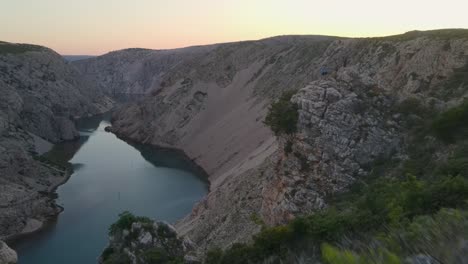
{"type": "Point", "coordinates": [97, 26]}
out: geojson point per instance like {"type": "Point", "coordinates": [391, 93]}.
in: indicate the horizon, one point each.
{"type": "Point", "coordinates": [97, 27]}
{"type": "Point", "coordinates": [220, 43]}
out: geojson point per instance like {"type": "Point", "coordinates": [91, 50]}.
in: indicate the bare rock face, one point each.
{"type": "Point", "coordinates": [211, 104]}
{"type": "Point", "coordinates": [41, 95]}
{"type": "Point", "coordinates": [341, 131]}
{"type": "Point", "coordinates": [51, 91]}
{"type": "Point", "coordinates": [7, 255]}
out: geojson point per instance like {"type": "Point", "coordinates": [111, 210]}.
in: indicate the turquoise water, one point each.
{"type": "Point", "coordinates": [110, 177]}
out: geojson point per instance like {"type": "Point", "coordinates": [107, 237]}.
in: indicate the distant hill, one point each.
{"type": "Point", "coordinates": [77, 57]}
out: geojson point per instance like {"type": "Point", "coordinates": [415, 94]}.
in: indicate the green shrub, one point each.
{"type": "Point", "coordinates": [165, 231]}
{"type": "Point", "coordinates": [282, 115]}
{"type": "Point", "coordinates": [303, 162]}
{"type": "Point", "coordinates": [440, 235]}
{"type": "Point", "coordinates": [455, 166]}
{"type": "Point", "coordinates": [450, 192]}
{"type": "Point", "coordinates": [452, 124]}
{"type": "Point", "coordinates": [125, 221]}
{"type": "Point", "coordinates": [393, 201]}
{"type": "Point", "coordinates": [214, 256]}
{"type": "Point", "coordinates": [257, 220]}
{"type": "Point", "coordinates": [273, 240]}
{"type": "Point", "coordinates": [440, 34]}
{"type": "Point", "coordinates": [107, 253]}
{"type": "Point", "coordinates": [239, 254]}
{"type": "Point", "coordinates": [458, 78]}
{"type": "Point", "coordinates": [412, 106]}
{"type": "Point", "coordinates": [160, 256]}
{"type": "Point", "coordinates": [324, 226]}
{"type": "Point", "coordinates": [118, 258]}
{"type": "Point", "coordinates": [333, 255]}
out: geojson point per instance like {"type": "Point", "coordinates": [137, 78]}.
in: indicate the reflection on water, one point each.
{"type": "Point", "coordinates": [110, 176]}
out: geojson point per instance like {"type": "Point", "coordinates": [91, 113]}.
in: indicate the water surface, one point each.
{"type": "Point", "coordinates": [110, 176]}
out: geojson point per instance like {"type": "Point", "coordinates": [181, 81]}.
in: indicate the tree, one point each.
{"type": "Point", "coordinates": [282, 115]}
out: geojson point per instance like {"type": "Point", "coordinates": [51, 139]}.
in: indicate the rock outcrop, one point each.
{"type": "Point", "coordinates": [7, 255]}
{"type": "Point", "coordinates": [41, 96]}
{"type": "Point", "coordinates": [210, 101]}
{"type": "Point", "coordinates": [148, 242]}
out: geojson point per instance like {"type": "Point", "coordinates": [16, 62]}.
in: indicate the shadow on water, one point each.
{"type": "Point", "coordinates": [92, 123]}
{"type": "Point", "coordinates": [64, 152]}
{"type": "Point", "coordinates": [170, 158]}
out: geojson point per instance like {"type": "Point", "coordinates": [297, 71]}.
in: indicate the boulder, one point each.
{"type": "Point", "coordinates": [7, 255]}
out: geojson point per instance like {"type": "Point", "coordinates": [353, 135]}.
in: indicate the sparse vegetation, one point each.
{"type": "Point", "coordinates": [288, 147]}
{"type": "Point", "coordinates": [441, 34]}
{"type": "Point", "coordinates": [157, 256]}
{"type": "Point", "coordinates": [13, 48]}
{"type": "Point", "coordinates": [107, 253]}
{"type": "Point", "coordinates": [117, 258]}
{"type": "Point", "coordinates": [303, 162]}
{"type": "Point", "coordinates": [333, 255]}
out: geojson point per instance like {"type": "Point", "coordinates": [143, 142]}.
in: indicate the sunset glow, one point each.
{"type": "Point", "coordinates": [98, 26]}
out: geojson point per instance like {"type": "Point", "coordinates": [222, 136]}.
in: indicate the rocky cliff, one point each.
{"type": "Point", "coordinates": [140, 240]}
{"type": "Point", "coordinates": [210, 102]}
{"type": "Point", "coordinates": [41, 96]}
{"type": "Point", "coordinates": [7, 255]}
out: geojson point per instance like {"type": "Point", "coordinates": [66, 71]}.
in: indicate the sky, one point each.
{"type": "Point", "coordinates": [93, 27]}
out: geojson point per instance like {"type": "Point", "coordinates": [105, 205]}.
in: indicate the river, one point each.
{"type": "Point", "coordinates": [110, 176]}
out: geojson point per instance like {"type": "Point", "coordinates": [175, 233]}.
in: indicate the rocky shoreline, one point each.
{"type": "Point", "coordinates": [36, 225]}
{"type": "Point", "coordinates": [42, 95]}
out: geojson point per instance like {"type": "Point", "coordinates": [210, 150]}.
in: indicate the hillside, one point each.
{"type": "Point", "coordinates": [211, 101]}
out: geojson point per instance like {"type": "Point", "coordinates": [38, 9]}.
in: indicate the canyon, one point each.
{"type": "Point", "coordinates": [211, 101]}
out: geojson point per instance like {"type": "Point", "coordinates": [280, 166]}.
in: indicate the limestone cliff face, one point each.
{"type": "Point", "coordinates": [211, 104]}
{"type": "Point", "coordinates": [46, 92]}
{"type": "Point", "coordinates": [41, 96]}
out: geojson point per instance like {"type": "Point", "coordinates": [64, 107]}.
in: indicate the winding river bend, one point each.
{"type": "Point", "coordinates": [110, 176]}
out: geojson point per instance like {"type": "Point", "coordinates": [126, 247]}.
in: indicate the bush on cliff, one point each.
{"type": "Point", "coordinates": [157, 255]}
{"type": "Point", "coordinates": [125, 221]}
{"type": "Point", "coordinates": [452, 124]}
{"type": "Point", "coordinates": [283, 115]}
